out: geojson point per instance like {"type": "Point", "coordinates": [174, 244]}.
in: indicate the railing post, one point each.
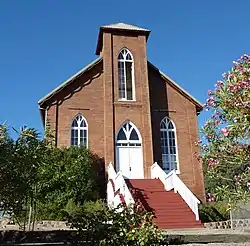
{"type": "Point", "coordinates": [197, 212]}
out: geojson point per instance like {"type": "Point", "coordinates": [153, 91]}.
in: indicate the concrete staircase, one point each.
{"type": "Point", "coordinates": [169, 209]}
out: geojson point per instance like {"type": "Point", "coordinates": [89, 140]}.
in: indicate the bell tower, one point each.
{"type": "Point", "coordinates": [126, 88]}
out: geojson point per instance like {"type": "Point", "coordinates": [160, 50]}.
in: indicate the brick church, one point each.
{"type": "Point", "coordinates": [127, 111]}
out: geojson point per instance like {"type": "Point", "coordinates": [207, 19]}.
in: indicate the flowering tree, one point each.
{"type": "Point", "coordinates": [225, 153]}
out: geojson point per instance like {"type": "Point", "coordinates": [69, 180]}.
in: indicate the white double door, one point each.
{"type": "Point", "coordinates": [129, 161]}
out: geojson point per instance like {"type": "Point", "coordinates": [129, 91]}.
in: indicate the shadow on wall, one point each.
{"type": "Point", "coordinates": [79, 83]}
{"type": "Point", "coordinates": [159, 108]}
{"type": "Point", "coordinates": [99, 169]}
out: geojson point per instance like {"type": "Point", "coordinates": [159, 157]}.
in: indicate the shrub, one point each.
{"type": "Point", "coordinates": [100, 225]}
{"type": "Point", "coordinates": [67, 176]}
{"type": "Point", "coordinates": [213, 212]}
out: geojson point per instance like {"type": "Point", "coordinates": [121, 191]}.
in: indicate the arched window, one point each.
{"type": "Point", "coordinates": [79, 131]}
{"type": "Point", "coordinates": [128, 135]}
{"type": "Point", "coordinates": [168, 145]}
{"type": "Point", "coordinates": [126, 75]}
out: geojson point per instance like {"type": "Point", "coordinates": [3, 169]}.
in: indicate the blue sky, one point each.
{"type": "Point", "coordinates": [44, 42]}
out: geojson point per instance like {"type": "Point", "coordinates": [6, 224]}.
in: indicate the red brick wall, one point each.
{"type": "Point", "coordinates": [167, 101]}
{"type": "Point", "coordinates": [95, 96]}
{"type": "Point", "coordinates": [84, 96]}
{"type": "Point", "coordinates": [138, 111]}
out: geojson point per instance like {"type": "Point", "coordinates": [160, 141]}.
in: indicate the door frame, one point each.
{"type": "Point", "coordinates": [128, 143]}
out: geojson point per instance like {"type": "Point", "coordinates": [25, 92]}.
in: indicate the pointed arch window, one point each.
{"type": "Point", "coordinates": [79, 131]}
{"type": "Point", "coordinates": [169, 145]}
{"type": "Point", "coordinates": [128, 135]}
{"type": "Point", "coordinates": [126, 75]}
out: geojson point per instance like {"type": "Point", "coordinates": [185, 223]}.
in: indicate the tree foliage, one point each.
{"type": "Point", "coordinates": [33, 172]}
{"type": "Point", "coordinates": [225, 152]}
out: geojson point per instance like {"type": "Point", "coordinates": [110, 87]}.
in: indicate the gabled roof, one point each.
{"type": "Point", "coordinates": [119, 27]}
{"type": "Point", "coordinates": [197, 103]}
{"type": "Point", "coordinates": [69, 80]}
{"type": "Point", "coordinates": [97, 61]}
{"type": "Point", "coordinates": [124, 26]}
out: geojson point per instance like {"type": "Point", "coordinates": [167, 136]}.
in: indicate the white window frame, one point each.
{"type": "Point", "coordinates": [79, 128]}
{"type": "Point", "coordinates": [166, 122]}
{"type": "Point", "coordinates": [127, 132]}
{"type": "Point", "coordinates": [124, 53]}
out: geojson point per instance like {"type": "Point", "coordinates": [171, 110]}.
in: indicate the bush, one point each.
{"type": "Point", "coordinates": [213, 212]}
{"type": "Point", "coordinates": [67, 176]}
{"type": "Point", "coordinates": [37, 176]}
{"type": "Point", "coordinates": [100, 225]}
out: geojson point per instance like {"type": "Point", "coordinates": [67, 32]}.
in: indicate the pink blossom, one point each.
{"type": "Point", "coordinates": [212, 162]}
{"type": "Point", "coordinates": [224, 75]}
{"type": "Point", "coordinates": [198, 142]}
{"type": "Point", "coordinates": [244, 57]}
{"type": "Point", "coordinates": [209, 92]}
{"type": "Point", "coordinates": [220, 83]}
{"type": "Point", "coordinates": [210, 101]}
{"type": "Point", "coordinates": [225, 132]}
{"type": "Point", "coordinates": [235, 63]}
{"type": "Point", "coordinates": [237, 179]}
{"type": "Point", "coordinates": [217, 122]}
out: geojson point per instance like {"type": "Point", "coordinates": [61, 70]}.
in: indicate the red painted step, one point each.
{"type": "Point", "coordinates": [169, 209]}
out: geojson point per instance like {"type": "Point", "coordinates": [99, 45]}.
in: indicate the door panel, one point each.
{"type": "Point", "coordinates": [136, 162]}
{"type": "Point", "coordinates": [122, 157]}
{"type": "Point", "coordinates": [129, 161]}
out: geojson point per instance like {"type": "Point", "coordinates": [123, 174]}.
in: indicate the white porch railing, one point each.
{"type": "Point", "coordinates": [117, 189]}
{"type": "Point", "coordinates": [172, 181]}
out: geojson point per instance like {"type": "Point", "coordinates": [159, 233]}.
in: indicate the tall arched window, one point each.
{"type": "Point", "coordinates": [126, 75]}
{"type": "Point", "coordinates": [168, 145]}
{"type": "Point", "coordinates": [79, 131]}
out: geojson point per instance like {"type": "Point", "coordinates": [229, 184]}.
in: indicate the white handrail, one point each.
{"type": "Point", "coordinates": [117, 189]}
{"type": "Point", "coordinates": [172, 182]}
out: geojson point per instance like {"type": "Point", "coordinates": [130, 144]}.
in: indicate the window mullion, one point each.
{"type": "Point", "coordinates": [78, 134]}
{"type": "Point", "coordinates": [125, 80]}
{"type": "Point", "coordinates": [169, 153]}
{"type": "Point", "coordinates": [133, 80]}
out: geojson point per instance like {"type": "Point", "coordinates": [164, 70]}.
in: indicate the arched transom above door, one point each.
{"type": "Point", "coordinates": [129, 157]}
{"type": "Point", "coordinates": [128, 135]}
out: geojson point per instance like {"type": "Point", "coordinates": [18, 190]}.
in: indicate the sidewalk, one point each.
{"type": "Point", "coordinates": [211, 237]}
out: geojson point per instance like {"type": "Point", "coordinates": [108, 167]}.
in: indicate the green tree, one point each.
{"type": "Point", "coordinates": [65, 175]}
{"type": "Point", "coordinates": [225, 153]}
{"type": "Point", "coordinates": [19, 160]}
{"type": "Point", "coordinates": [34, 175]}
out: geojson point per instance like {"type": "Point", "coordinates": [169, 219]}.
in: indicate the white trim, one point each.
{"type": "Point", "coordinates": [176, 144]}
{"type": "Point", "coordinates": [128, 141]}
{"type": "Point", "coordinates": [128, 133]}
{"type": "Point", "coordinates": [119, 185]}
{"type": "Point", "coordinates": [78, 131]}
{"type": "Point", "coordinates": [124, 60]}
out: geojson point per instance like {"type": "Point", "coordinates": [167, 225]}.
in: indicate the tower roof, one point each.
{"type": "Point", "coordinates": [118, 27]}
{"type": "Point", "coordinates": [124, 26]}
